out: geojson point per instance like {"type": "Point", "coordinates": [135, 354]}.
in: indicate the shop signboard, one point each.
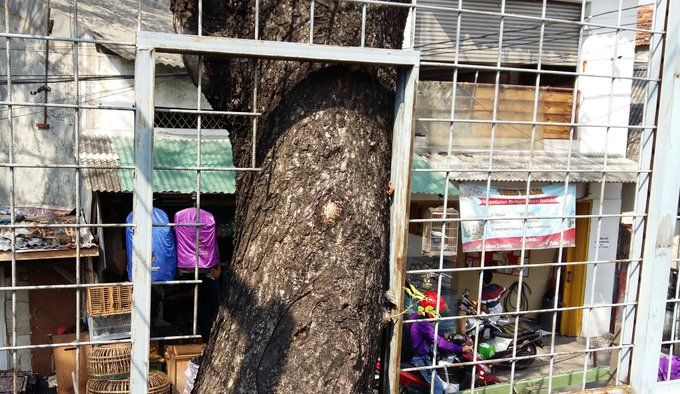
{"type": "Point", "coordinates": [505, 208]}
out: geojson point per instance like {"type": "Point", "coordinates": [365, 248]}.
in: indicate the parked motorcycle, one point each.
{"type": "Point", "coordinates": [412, 382]}
{"type": "Point", "coordinates": [496, 336]}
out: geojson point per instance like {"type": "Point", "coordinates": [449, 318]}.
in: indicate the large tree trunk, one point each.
{"type": "Point", "coordinates": [303, 306]}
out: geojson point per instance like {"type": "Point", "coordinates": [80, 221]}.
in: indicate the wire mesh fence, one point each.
{"type": "Point", "coordinates": [532, 142]}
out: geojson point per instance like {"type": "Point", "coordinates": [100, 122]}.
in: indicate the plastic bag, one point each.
{"type": "Point", "coordinates": [164, 257]}
{"type": "Point", "coordinates": [208, 255]}
{"type": "Point", "coordinates": [190, 376]}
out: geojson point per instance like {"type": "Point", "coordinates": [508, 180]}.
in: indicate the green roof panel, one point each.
{"type": "Point", "coordinates": [181, 153]}
{"type": "Point", "coordinates": [218, 153]}
{"type": "Point", "coordinates": [429, 182]}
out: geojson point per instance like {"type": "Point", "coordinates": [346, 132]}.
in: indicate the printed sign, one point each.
{"type": "Point", "coordinates": [604, 242]}
{"type": "Point", "coordinates": [505, 208]}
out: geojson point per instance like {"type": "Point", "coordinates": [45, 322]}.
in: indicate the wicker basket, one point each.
{"type": "Point", "coordinates": [109, 361]}
{"type": "Point", "coordinates": [158, 384]}
{"type": "Point", "coordinates": [109, 300]}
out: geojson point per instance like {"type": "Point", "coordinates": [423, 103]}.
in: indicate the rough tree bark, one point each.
{"type": "Point", "coordinates": [304, 299]}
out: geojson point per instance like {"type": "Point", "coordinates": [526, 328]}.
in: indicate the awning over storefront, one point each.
{"type": "Point", "coordinates": [119, 151]}
{"type": "Point", "coordinates": [512, 166]}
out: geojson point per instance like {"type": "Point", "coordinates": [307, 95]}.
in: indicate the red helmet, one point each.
{"type": "Point", "coordinates": [428, 305]}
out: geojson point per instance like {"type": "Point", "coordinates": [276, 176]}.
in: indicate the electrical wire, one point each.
{"type": "Point", "coordinates": [524, 299]}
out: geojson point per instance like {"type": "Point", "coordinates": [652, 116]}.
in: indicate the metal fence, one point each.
{"type": "Point", "coordinates": [634, 315]}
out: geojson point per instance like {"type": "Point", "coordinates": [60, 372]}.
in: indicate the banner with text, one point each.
{"type": "Point", "coordinates": [506, 207]}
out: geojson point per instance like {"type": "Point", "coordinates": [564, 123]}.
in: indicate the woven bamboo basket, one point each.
{"type": "Point", "coordinates": [158, 384]}
{"type": "Point", "coordinates": [109, 300]}
{"type": "Point", "coordinates": [109, 361]}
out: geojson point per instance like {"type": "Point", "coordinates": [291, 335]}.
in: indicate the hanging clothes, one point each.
{"type": "Point", "coordinates": [164, 255]}
{"type": "Point", "coordinates": [208, 255]}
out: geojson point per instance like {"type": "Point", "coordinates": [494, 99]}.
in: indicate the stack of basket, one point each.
{"type": "Point", "coordinates": [108, 367]}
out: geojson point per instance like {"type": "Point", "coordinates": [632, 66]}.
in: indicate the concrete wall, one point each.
{"type": "Point", "coordinates": [603, 101]}
{"type": "Point", "coordinates": [55, 188]}
{"type": "Point", "coordinates": [600, 281]}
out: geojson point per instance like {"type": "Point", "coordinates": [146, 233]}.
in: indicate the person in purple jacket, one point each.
{"type": "Point", "coordinates": [422, 340]}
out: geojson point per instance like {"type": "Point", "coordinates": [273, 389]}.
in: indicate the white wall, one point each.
{"type": "Point", "coordinates": [600, 282]}
{"type": "Point", "coordinates": [603, 101]}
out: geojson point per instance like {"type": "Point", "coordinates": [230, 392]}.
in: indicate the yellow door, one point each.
{"type": "Point", "coordinates": [574, 276]}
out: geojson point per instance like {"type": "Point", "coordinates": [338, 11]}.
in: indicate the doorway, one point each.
{"type": "Point", "coordinates": [574, 278]}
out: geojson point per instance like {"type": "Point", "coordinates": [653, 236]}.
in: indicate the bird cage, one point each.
{"type": "Point", "coordinates": [110, 361]}
{"type": "Point", "coordinates": [109, 300]}
{"type": "Point", "coordinates": [159, 383]}
{"type": "Point", "coordinates": [435, 241]}
{"type": "Point", "coordinates": [109, 311]}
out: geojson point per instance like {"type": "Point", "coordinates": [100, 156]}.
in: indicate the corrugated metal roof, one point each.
{"type": "Point", "coordinates": [119, 151]}
{"type": "Point", "coordinates": [638, 96]}
{"type": "Point", "coordinates": [181, 152]}
{"type": "Point", "coordinates": [429, 182]}
{"type": "Point", "coordinates": [117, 21]}
{"type": "Point", "coordinates": [436, 32]}
{"type": "Point", "coordinates": [99, 151]}
{"type": "Point", "coordinates": [508, 166]}
{"type": "Point", "coordinates": [103, 150]}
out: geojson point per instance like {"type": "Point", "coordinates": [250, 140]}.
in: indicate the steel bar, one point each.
{"type": "Point", "coordinates": [66, 39]}
{"type": "Point", "coordinates": [511, 359]}
{"type": "Point", "coordinates": [167, 42]}
{"type": "Point", "coordinates": [447, 186]}
{"type": "Point", "coordinates": [65, 225]}
{"type": "Point", "coordinates": [589, 316]}
{"type": "Point", "coordinates": [402, 156]}
{"type": "Point", "coordinates": [515, 313]}
{"type": "Point", "coordinates": [76, 151]}
{"type": "Point", "coordinates": [175, 338]}
{"type": "Point", "coordinates": [492, 140]}
{"type": "Point", "coordinates": [62, 344]}
{"type": "Point", "coordinates": [66, 166]}
{"type": "Point", "coordinates": [142, 213]}
{"type": "Point", "coordinates": [205, 112]}
{"type": "Point", "coordinates": [518, 218]}
{"type": "Point", "coordinates": [529, 266]}
{"type": "Point", "coordinates": [203, 168]}
{"type": "Point", "coordinates": [642, 186]}
{"type": "Point", "coordinates": [61, 105]}
{"type": "Point", "coordinates": [527, 170]}
{"type": "Point", "coordinates": [531, 123]}
{"type": "Point", "coordinates": [12, 200]}
{"type": "Point", "coordinates": [90, 285]}
{"type": "Point", "coordinates": [660, 226]}
{"type": "Point", "coordinates": [481, 67]}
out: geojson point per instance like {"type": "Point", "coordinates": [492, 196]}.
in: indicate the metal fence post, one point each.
{"type": "Point", "coordinates": [662, 214]}
{"type": "Point", "coordinates": [402, 155]}
{"type": "Point", "coordinates": [143, 218]}
{"type": "Point", "coordinates": [645, 161]}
